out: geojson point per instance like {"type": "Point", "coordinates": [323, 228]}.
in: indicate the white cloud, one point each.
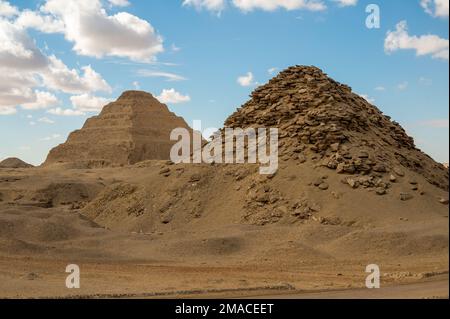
{"type": "Point", "coordinates": [51, 137]}
{"type": "Point", "coordinates": [15, 89]}
{"type": "Point", "coordinates": [60, 77]}
{"type": "Point", "coordinates": [23, 68]}
{"type": "Point", "coordinates": [17, 56]}
{"type": "Point", "coordinates": [436, 123]}
{"type": "Point", "coordinates": [174, 48]}
{"type": "Point", "coordinates": [7, 10]}
{"type": "Point", "coordinates": [170, 96]}
{"type": "Point", "coordinates": [250, 5]}
{"type": "Point", "coordinates": [88, 103]}
{"type": "Point", "coordinates": [46, 120]}
{"type": "Point", "coordinates": [42, 100]}
{"type": "Point", "coordinates": [81, 104]}
{"type": "Point", "coordinates": [119, 3]}
{"type": "Point", "coordinates": [158, 74]}
{"type": "Point", "coordinates": [403, 86]}
{"type": "Point", "coordinates": [425, 81]}
{"type": "Point", "coordinates": [65, 112]}
{"type": "Point", "coordinates": [272, 71]}
{"type": "Point", "coordinates": [380, 88]}
{"type": "Point", "coordinates": [423, 45]}
{"type": "Point", "coordinates": [43, 23]}
{"type": "Point", "coordinates": [211, 5]}
{"type": "Point", "coordinates": [95, 33]}
{"type": "Point", "coordinates": [246, 80]}
{"type": "Point", "coordinates": [271, 5]}
{"type": "Point", "coordinates": [136, 85]}
{"type": "Point", "coordinates": [7, 110]}
{"type": "Point", "coordinates": [17, 50]}
{"type": "Point", "coordinates": [346, 3]}
{"type": "Point", "coordinates": [367, 98]}
{"type": "Point", "coordinates": [436, 8]}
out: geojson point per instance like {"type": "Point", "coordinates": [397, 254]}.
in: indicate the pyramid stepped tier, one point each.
{"type": "Point", "coordinates": [323, 121]}
{"type": "Point", "coordinates": [135, 128]}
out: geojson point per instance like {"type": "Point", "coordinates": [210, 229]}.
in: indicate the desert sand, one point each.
{"type": "Point", "coordinates": [351, 190]}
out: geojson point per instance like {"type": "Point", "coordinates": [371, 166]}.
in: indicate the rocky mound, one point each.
{"type": "Point", "coordinates": [324, 122]}
{"type": "Point", "coordinates": [342, 163]}
{"type": "Point", "coordinates": [14, 162]}
{"type": "Point", "coordinates": [134, 128]}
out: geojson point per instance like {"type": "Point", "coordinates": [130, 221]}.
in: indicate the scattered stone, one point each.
{"type": "Point", "coordinates": [352, 183]}
{"type": "Point", "coordinates": [317, 182]}
{"type": "Point", "coordinates": [323, 186]}
{"type": "Point", "coordinates": [340, 168]}
{"type": "Point", "coordinates": [263, 198]}
{"type": "Point", "coordinates": [336, 195]}
{"type": "Point", "coordinates": [164, 171]}
{"type": "Point", "coordinates": [381, 191]}
{"type": "Point", "coordinates": [443, 201]}
{"type": "Point", "coordinates": [347, 156]}
{"type": "Point", "coordinates": [380, 168]}
{"type": "Point", "coordinates": [165, 219]}
{"type": "Point", "coordinates": [344, 168]}
{"type": "Point", "coordinates": [334, 147]}
{"type": "Point", "coordinates": [363, 154]}
{"type": "Point", "coordinates": [301, 158]}
{"type": "Point", "coordinates": [399, 171]}
{"type": "Point", "coordinates": [32, 276]}
{"type": "Point", "coordinates": [333, 221]}
{"type": "Point", "coordinates": [195, 178]}
{"type": "Point", "coordinates": [392, 178]}
{"type": "Point", "coordinates": [405, 196]}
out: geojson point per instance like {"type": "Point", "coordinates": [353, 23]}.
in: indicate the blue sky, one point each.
{"type": "Point", "coordinates": [81, 54]}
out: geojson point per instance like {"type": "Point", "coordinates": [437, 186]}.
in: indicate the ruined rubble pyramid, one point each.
{"type": "Point", "coordinates": [13, 162]}
{"type": "Point", "coordinates": [132, 129]}
{"type": "Point", "coordinates": [324, 122]}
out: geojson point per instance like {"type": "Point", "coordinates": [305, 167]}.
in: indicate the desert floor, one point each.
{"type": "Point", "coordinates": [44, 227]}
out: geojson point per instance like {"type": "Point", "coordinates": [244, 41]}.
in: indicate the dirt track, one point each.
{"type": "Point", "coordinates": [434, 288]}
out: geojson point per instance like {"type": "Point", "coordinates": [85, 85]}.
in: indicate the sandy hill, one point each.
{"type": "Point", "coordinates": [14, 162]}
{"type": "Point", "coordinates": [134, 128]}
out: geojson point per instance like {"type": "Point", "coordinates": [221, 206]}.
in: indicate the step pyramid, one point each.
{"type": "Point", "coordinates": [132, 129]}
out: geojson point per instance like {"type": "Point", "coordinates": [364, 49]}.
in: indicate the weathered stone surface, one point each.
{"type": "Point", "coordinates": [333, 127]}
{"type": "Point", "coordinates": [323, 186]}
{"type": "Point", "coordinates": [405, 196]}
{"type": "Point", "coordinates": [13, 162]}
{"type": "Point", "coordinates": [132, 129]}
